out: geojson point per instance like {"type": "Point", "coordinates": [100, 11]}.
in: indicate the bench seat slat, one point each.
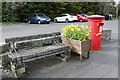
{"type": "Point", "coordinates": [42, 51]}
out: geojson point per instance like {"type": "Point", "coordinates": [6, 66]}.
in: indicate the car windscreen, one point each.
{"type": "Point", "coordinates": [84, 15]}
{"type": "Point", "coordinates": [75, 15]}
{"type": "Point", "coordinates": [41, 15]}
{"type": "Point", "coordinates": [62, 15]}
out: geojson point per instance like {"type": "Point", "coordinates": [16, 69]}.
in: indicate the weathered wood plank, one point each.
{"type": "Point", "coordinates": [76, 45]}
{"type": "Point", "coordinates": [30, 48]}
{"type": "Point", "coordinates": [16, 39]}
{"type": "Point", "coordinates": [37, 52]}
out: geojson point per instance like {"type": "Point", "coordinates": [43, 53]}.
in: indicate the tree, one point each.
{"type": "Point", "coordinates": [106, 8]}
{"type": "Point", "coordinates": [19, 11]}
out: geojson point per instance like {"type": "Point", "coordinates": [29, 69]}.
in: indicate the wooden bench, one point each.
{"type": "Point", "coordinates": [4, 51]}
{"type": "Point", "coordinates": [29, 48]}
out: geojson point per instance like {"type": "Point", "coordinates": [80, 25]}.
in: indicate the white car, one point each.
{"type": "Point", "coordinates": [65, 18]}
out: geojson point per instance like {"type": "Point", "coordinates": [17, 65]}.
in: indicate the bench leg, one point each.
{"type": "Point", "coordinates": [61, 57]}
{"type": "Point", "coordinates": [81, 58]}
{"type": "Point", "coordinates": [18, 72]}
{"type": "Point", "coordinates": [64, 56]}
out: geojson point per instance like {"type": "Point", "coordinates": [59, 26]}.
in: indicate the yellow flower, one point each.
{"type": "Point", "coordinates": [82, 26]}
{"type": "Point", "coordinates": [79, 29]}
{"type": "Point", "coordinates": [67, 26]}
{"type": "Point", "coordinates": [82, 33]}
{"type": "Point", "coordinates": [72, 29]}
{"type": "Point", "coordinates": [87, 27]}
{"type": "Point", "coordinates": [87, 34]}
{"type": "Point", "coordinates": [71, 25]}
{"type": "Point", "coordinates": [64, 29]}
{"type": "Point", "coordinates": [75, 26]}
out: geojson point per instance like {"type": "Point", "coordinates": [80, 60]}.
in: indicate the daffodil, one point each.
{"type": "Point", "coordinates": [87, 27]}
{"type": "Point", "coordinates": [79, 29]}
{"type": "Point", "coordinates": [71, 25]}
{"type": "Point", "coordinates": [64, 29]}
{"type": "Point", "coordinates": [75, 26]}
{"type": "Point", "coordinates": [67, 26]}
{"type": "Point", "coordinates": [82, 26]}
{"type": "Point", "coordinates": [87, 34]}
{"type": "Point", "coordinates": [72, 29]}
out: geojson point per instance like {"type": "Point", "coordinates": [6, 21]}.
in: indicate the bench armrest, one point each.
{"type": "Point", "coordinates": [15, 57]}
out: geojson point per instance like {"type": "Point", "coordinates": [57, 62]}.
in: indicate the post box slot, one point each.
{"type": "Point", "coordinates": [101, 24]}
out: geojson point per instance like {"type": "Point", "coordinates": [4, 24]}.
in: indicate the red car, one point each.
{"type": "Point", "coordinates": [80, 18]}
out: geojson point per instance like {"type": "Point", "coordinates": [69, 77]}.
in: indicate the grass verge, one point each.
{"type": "Point", "coordinates": [10, 23]}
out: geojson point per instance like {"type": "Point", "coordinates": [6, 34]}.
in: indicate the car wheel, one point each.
{"type": "Point", "coordinates": [39, 22]}
{"type": "Point", "coordinates": [81, 20]}
{"type": "Point", "coordinates": [66, 20]}
{"type": "Point", "coordinates": [29, 22]}
{"type": "Point", "coordinates": [56, 20]}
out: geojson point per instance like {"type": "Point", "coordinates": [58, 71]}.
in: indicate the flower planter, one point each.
{"type": "Point", "coordinates": [78, 46]}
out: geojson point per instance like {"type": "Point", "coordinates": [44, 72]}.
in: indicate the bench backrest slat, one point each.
{"type": "Point", "coordinates": [41, 42]}
{"type": "Point", "coordinates": [17, 39]}
{"type": "Point", "coordinates": [29, 44]}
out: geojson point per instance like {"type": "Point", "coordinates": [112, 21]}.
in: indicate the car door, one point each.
{"type": "Point", "coordinates": [61, 18]}
{"type": "Point", "coordinates": [33, 18]}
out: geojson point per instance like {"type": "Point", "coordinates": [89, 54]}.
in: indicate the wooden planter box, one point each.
{"type": "Point", "coordinates": [77, 46]}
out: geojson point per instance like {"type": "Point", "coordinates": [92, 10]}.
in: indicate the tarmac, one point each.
{"type": "Point", "coordinates": [101, 64]}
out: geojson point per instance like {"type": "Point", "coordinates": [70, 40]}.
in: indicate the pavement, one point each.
{"type": "Point", "coordinates": [101, 64]}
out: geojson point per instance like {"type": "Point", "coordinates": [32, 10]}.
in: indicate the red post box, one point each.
{"type": "Point", "coordinates": [95, 23]}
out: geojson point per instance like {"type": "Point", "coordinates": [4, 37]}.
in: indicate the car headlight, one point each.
{"type": "Point", "coordinates": [49, 19]}
{"type": "Point", "coordinates": [43, 19]}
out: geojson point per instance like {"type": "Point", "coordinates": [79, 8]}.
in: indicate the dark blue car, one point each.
{"type": "Point", "coordinates": [38, 18]}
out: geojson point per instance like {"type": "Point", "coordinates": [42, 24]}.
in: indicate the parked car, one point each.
{"type": "Point", "coordinates": [108, 17]}
{"type": "Point", "coordinates": [80, 18]}
{"type": "Point", "coordinates": [65, 18]}
{"type": "Point", "coordinates": [38, 18]}
{"type": "Point", "coordinates": [85, 15]}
